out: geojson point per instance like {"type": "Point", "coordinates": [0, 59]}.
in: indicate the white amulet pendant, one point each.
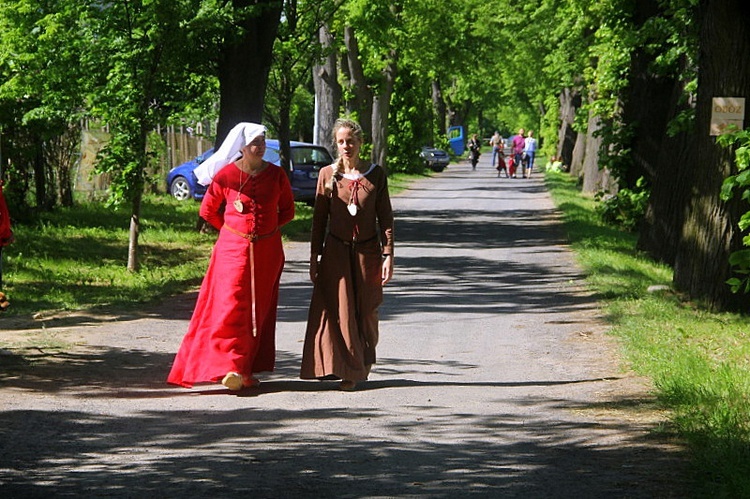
{"type": "Point", "coordinates": [238, 206]}
{"type": "Point", "coordinates": [352, 209]}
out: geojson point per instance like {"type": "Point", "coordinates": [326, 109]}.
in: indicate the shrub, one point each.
{"type": "Point", "coordinates": [626, 208]}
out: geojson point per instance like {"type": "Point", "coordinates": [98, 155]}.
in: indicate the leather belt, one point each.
{"type": "Point", "coordinates": [352, 242]}
{"type": "Point", "coordinates": [251, 237]}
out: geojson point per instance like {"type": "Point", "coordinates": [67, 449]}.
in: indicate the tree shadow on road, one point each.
{"type": "Point", "coordinates": [289, 453]}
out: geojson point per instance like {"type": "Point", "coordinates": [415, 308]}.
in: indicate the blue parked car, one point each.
{"type": "Point", "coordinates": [306, 160]}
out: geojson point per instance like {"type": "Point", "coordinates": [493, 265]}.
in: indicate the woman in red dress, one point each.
{"type": "Point", "coordinates": [233, 328]}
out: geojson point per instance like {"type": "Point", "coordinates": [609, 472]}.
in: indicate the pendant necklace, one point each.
{"type": "Point", "coordinates": [237, 202]}
{"type": "Point", "coordinates": [353, 205]}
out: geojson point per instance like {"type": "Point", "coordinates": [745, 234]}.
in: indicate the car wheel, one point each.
{"type": "Point", "coordinates": [438, 168]}
{"type": "Point", "coordinates": [180, 189]}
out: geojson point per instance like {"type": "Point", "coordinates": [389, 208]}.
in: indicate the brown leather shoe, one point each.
{"type": "Point", "coordinates": [347, 385]}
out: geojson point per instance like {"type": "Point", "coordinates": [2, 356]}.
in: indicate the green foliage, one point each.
{"type": "Point", "coordinates": [739, 185]}
{"type": "Point", "coordinates": [626, 208]}
{"type": "Point", "coordinates": [410, 127]}
{"type": "Point", "coordinates": [143, 46]}
{"type": "Point", "coordinates": [42, 95]}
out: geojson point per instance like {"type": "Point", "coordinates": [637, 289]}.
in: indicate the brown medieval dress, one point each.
{"type": "Point", "coordinates": [342, 324]}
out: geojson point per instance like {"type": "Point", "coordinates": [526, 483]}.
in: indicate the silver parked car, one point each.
{"type": "Point", "coordinates": [434, 159]}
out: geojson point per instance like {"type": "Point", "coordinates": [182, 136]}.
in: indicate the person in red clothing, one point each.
{"type": "Point", "coordinates": [232, 331]}
{"type": "Point", "coordinates": [6, 233]}
{"type": "Point", "coordinates": [518, 144]}
{"type": "Point", "coordinates": [6, 237]}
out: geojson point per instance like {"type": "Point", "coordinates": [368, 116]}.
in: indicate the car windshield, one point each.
{"type": "Point", "coordinates": [301, 155]}
{"type": "Point", "coordinates": [310, 156]}
{"type": "Point", "coordinates": [272, 156]}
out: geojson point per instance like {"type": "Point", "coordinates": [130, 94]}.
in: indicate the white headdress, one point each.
{"type": "Point", "coordinates": [238, 137]}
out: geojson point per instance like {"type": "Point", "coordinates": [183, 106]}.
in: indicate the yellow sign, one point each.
{"type": "Point", "coordinates": [727, 113]}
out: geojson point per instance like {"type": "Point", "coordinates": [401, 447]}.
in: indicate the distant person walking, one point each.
{"type": "Point", "coordinates": [529, 149]}
{"type": "Point", "coordinates": [497, 143]}
{"type": "Point", "coordinates": [474, 151]}
{"type": "Point", "coordinates": [501, 166]}
{"type": "Point", "coordinates": [517, 146]}
{"type": "Point", "coordinates": [351, 260]}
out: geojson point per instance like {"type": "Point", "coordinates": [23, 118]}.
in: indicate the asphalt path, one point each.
{"type": "Point", "coordinates": [495, 378]}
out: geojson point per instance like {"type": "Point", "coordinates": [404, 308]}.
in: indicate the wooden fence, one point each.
{"type": "Point", "coordinates": [178, 145]}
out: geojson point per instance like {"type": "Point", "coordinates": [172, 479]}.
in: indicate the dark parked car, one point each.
{"type": "Point", "coordinates": [434, 159]}
{"type": "Point", "coordinates": [307, 159]}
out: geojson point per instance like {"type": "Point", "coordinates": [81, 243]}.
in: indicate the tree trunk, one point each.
{"type": "Point", "coordinates": [459, 112]}
{"type": "Point", "coordinates": [651, 102]}
{"type": "Point", "coordinates": [380, 109]}
{"type": "Point", "coordinates": [135, 230]}
{"type": "Point", "coordinates": [244, 64]}
{"type": "Point", "coordinates": [139, 181]}
{"type": "Point", "coordinates": [362, 103]}
{"type": "Point", "coordinates": [285, 106]}
{"type": "Point", "coordinates": [570, 101]}
{"type": "Point", "coordinates": [579, 151]}
{"type": "Point", "coordinates": [43, 179]}
{"type": "Point", "coordinates": [710, 233]}
{"type": "Point", "coordinates": [593, 177]}
{"type": "Point", "coordinates": [647, 105]}
{"type": "Point", "coordinates": [438, 104]}
{"type": "Point", "coordinates": [670, 190]}
{"type": "Point", "coordinates": [327, 93]}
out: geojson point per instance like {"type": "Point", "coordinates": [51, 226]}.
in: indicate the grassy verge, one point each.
{"type": "Point", "coordinates": [76, 258]}
{"type": "Point", "coordinates": [699, 361]}
{"type": "Point", "coordinates": [398, 182]}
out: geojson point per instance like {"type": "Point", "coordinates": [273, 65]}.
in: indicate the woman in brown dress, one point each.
{"type": "Point", "coordinates": [351, 259]}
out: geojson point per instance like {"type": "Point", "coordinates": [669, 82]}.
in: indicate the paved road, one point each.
{"type": "Point", "coordinates": [495, 378]}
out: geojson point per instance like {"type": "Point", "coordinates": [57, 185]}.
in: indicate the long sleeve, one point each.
{"type": "Point", "coordinates": [321, 212]}
{"type": "Point", "coordinates": [385, 217]}
{"type": "Point", "coordinates": [211, 207]}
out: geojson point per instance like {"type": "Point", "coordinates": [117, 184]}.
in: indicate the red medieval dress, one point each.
{"type": "Point", "coordinates": [6, 233]}
{"type": "Point", "coordinates": [6, 237]}
{"type": "Point", "coordinates": [233, 328]}
{"type": "Point", "coordinates": [342, 325]}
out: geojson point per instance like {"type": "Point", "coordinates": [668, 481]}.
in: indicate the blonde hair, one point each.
{"type": "Point", "coordinates": [338, 164]}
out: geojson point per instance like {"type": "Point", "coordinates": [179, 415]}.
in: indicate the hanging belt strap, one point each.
{"type": "Point", "coordinates": [252, 238]}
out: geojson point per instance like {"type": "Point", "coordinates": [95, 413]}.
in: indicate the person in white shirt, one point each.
{"type": "Point", "coordinates": [529, 149]}
{"type": "Point", "coordinates": [497, 144]}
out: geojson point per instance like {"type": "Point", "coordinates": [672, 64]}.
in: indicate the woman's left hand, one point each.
{"type": "Point", "coordinates": [386, 271]}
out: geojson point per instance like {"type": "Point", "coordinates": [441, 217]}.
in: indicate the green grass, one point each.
{"type": "Point", "coordinates": [399, 182]}
{"type": "Point", "coordinates": [699, 361]}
